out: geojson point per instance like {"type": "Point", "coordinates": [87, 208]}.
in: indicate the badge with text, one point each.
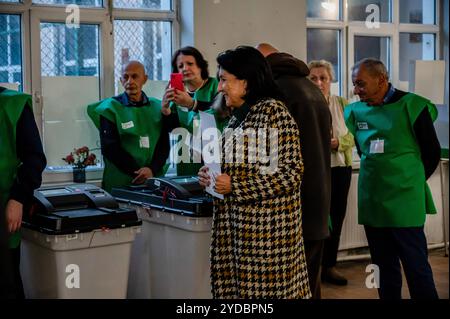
{"type": "Point", "coordinates": [127, 125]}
{"type": "Point", "coordinates": [144, 142]}
{"type": "Point", "coordinates": [363, 126]}
{"type": "Point", "coordinates": [377, 146]}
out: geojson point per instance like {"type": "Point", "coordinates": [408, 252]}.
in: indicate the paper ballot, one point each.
{"type": "Point", "coordinates": [211, 152]}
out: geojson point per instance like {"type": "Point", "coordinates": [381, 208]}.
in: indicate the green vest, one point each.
{"type": "Point", "coordinates": [392, 190]}
{"type": "Point", "coordinates": [139, 130]}
{"type": "Point", "coordinates": [206, 93]}
{"type": "Point", "coordinates": [12, 104]}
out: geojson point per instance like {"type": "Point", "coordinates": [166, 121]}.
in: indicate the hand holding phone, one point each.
{"type": "Point", "coordinates": [176, 81]}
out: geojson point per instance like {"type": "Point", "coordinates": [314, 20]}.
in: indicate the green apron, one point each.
{"type": "Point", "coordinates": [392, 190]}
{"type": "Point", "coordinates": [206, 93]}
{"type": "Point", "coordinates": [12, 104]}
{"type": "Point", "coordinates": [139, 130]}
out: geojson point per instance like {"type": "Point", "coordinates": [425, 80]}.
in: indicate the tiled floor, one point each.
{"type": "Point", "coordinates": [356, 275]}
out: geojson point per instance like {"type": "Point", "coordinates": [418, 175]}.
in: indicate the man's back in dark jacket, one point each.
{"type": "Point", "coordinates": [310, 110]}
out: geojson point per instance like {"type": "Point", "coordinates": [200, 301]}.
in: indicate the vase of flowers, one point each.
{"type": "Point", "coordinates": [80, 158]}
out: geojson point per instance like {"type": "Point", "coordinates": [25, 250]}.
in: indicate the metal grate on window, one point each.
{"type": "Point", "coordinates": [144, 4]}
{"type": "Point", "coordinates": [10, 49]}
{"type": "Point", "coordinates": [86, 3]}
{"type": "Point", "coordinates": [69, 51]}
{"type": "Point", "coordinates": [146, 41]}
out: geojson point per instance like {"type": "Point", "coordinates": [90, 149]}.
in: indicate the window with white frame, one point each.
{"type": "Point", "coordinates": [10, 49]}
{"type": "Point", "coordinates": [394, 31]}
{"type": "Point", "coordinates": [70, 61]}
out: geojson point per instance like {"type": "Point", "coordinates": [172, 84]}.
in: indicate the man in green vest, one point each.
{"type": "Point", "coordinates": [22, 162]}
{"type": "Point", "coordinates": [399, 151]}
{"type": "Point", "coordinates": [130, 132]}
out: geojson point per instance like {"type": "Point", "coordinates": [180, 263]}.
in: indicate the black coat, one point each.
{"type": "Point", "coordinates": [310, 110]}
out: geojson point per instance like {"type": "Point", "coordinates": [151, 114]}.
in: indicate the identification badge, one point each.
{"type": "Point", "coordinates": [363, 126]}
{"type": "Point", "coordinates": [127, 125]}
{"type": "Point", "coordinates": [377, 146]}
{"type": "Point", "coordinates": [144, 142]}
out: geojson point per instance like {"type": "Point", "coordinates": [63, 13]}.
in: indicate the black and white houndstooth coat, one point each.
{"type": "Point", "coordinates": [257, 248]}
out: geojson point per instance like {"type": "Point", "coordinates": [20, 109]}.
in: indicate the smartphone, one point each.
{"type": "Point", "coordinates": [176, 81]}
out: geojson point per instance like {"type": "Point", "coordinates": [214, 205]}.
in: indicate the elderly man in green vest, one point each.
{"type": "Point", "coordinates": [22, 162]}
{"type": "Point", "coordinates": [399, 151]}
{"type": "Point", "coordinates": [130, 132]}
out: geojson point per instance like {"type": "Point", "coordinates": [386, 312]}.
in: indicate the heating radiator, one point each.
{"type": "Point", "coordinates": [353, 235]}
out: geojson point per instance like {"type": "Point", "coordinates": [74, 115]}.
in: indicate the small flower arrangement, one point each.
{"type": "Point", "coordinates": [81, 157]}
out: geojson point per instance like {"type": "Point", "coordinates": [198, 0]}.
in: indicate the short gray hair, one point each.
{"type": "Point", "coordinates": [373, 66]}
{"type": "Point", "coordinates": [322, 64]}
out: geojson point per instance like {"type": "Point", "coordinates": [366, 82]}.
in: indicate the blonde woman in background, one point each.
{"type": "Point", "coordinates": [342, 142]}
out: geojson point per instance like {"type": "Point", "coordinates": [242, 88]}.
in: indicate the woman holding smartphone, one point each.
{"type": "Point", "coordinates": [181, 106]}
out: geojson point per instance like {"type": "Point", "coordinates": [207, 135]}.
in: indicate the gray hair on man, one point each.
{"type": "Point", "coordinates": [373, 66]}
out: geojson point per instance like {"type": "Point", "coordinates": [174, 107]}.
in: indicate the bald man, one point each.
{"type": "Point", "coordinates": [130, 132]}
{"type": "Point", "coordinates": [310, 110]}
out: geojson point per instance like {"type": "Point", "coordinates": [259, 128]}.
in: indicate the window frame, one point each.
{"type": "Point", "coordinates": [393, 29]}
{"type": "Point", "coordinates": [33, 14]}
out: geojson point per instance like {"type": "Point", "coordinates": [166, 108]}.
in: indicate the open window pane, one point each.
{"type": "Point", "coordinates": [418, 11]}
{"type": "Point", "coordinates": [144, 4]}
{"type": "Point", "coordinates": [10, 50]}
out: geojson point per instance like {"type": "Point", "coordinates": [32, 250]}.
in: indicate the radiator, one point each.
{"type": "Point", "coordinates": [353, 236]}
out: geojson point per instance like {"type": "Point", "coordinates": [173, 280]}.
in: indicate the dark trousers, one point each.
{"type": "Point", "coordinates": [6, 274]}
{"type": "Point", "coordinates": [18, 286]}
{"type": "Point", "coordinates": [313, 254]}
{"type": "Point", "coordinates": [340, 184]}
{"type": "Point", "coordinates": [389, 246]}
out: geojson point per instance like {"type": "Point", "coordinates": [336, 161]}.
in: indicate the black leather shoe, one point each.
{"type": "Point", "coordinates": [333, 276]}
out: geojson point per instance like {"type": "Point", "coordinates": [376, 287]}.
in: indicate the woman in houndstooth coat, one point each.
{"type": "Point", "coordinates": [257, 248]}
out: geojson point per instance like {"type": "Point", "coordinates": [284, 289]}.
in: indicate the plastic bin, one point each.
{"type": "Point", "coordinates": [77, 244]}
{"type": "Point", "coordinates": [170, 257]}
{"type": "Point", "coordinates": [50, 264]}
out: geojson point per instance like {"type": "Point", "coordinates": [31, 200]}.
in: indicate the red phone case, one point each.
{"type": "Point", "coordinates": [176, 81]}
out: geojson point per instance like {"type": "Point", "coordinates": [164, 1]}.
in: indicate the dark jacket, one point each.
{"type": "Point", "coordinates": [309, 108]}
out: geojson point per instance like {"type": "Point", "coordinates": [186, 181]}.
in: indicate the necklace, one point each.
{"type": "Point", "coordinates": [193, 91]}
